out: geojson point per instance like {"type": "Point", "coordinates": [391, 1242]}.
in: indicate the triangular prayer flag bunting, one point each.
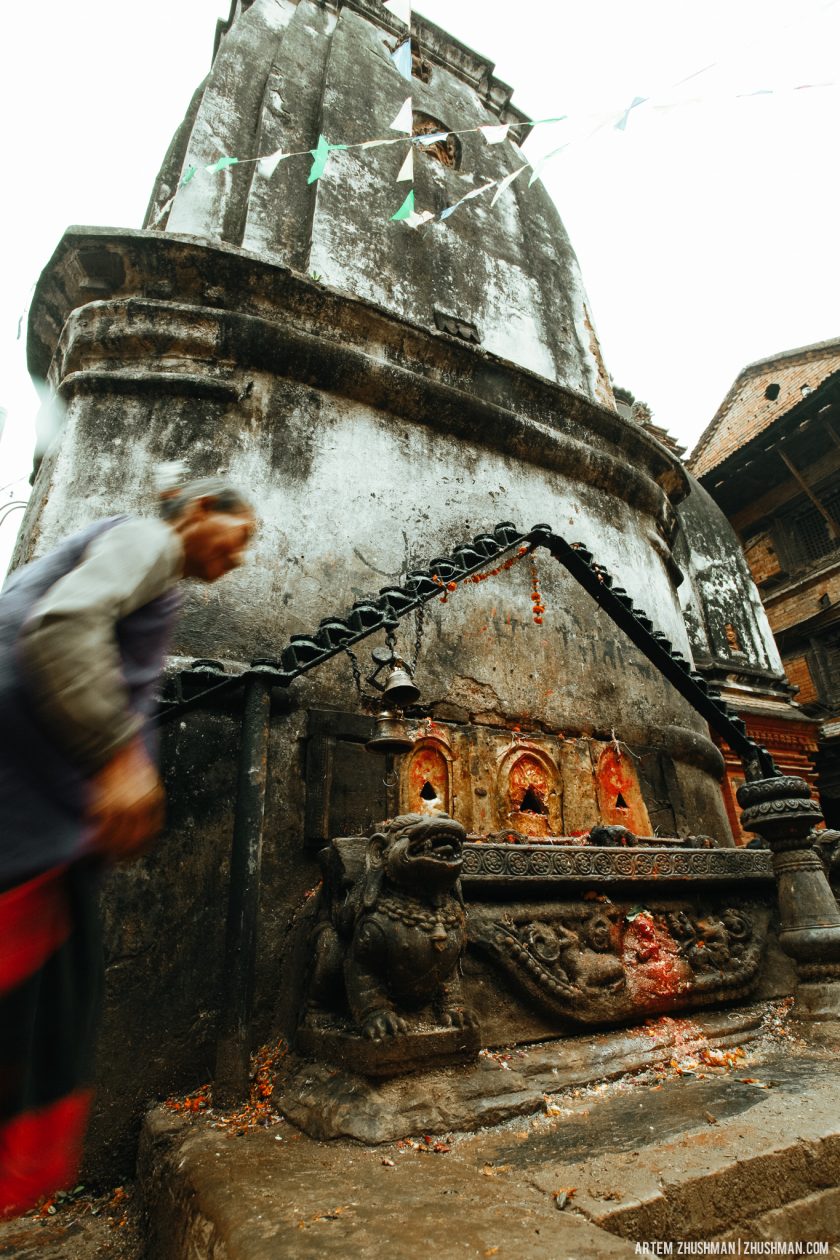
{"type": "Point", "coordinates": [433, 137]}
{"type": "Point", "coordinates": [476, 192]}
{"type": "Point", "coordinates": [404, 120]}
{"type": "Point", "coordinates": [407, 168]}
{"type": "Point", "coordinates": [444, 214]}
{"type": "Point", "coordinates": [221, 164]}
{"type": "Point", "coordinates": [505, 183]}
{"type": "Point", "coordinates": [495, 135]}
{"type": "Point", "coordinates": [188, 174]}
{"type": "Point", "coordinates": [320, 156]}
{"type": "Point", "coordinates": [400, 8]}
{"type": "Point", "coordinates": [268, 165]}
{"type": "Point", "coordinates": [319, 160]}
{"type": "Point", "coordinates": [406, 209]}
{"type": "Point", "coordinates": [401, 58]}
{"type": "Point", "coordinates": [538, 169]}
{"type": "Point", "coordinates": [622, 122]}
{"type": "Point", "coordinates": [417, 218]}
{"type": "Point", "coordinates": [373, 144]}
{"type": "Point", "coordinates": [539, 121]}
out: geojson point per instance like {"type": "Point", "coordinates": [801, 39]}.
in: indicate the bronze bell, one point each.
{"type": "Point", "coordinates": [399, 690]}
{"type": "Point", "coordinates": [390, 736]}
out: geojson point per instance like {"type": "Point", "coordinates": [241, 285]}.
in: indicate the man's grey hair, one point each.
{"type": "Point", "coordinates": [223, 496]}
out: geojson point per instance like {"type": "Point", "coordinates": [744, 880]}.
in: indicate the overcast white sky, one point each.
{"type": "Point", "coordinates": [707, 233]}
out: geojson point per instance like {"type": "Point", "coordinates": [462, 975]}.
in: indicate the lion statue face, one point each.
{"type": "Point", "coordinates": [419, 851]}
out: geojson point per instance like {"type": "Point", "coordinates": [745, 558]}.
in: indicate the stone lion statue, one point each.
{"type": "Point", "coordinates": [390, 929]}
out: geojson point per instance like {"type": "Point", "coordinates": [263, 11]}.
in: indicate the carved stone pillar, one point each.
{"type": "Point", "coordinates": [782, 812]}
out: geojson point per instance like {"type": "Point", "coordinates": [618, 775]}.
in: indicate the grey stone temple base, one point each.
{"type": "Point", "coordinates": [751, 1153]}
{"type": "Point", "coordinates": [329, 1102]}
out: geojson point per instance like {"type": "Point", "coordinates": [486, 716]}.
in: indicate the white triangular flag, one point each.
{"type": "Point", "coordinates": [417, 218]}
{"type": "Point", "coordinates": [538, 169]}
{"type": "Point", "coordinates": [404, 120]}
{"type": "Point", "coordinates": [268, 165]}
{"type": "Point", "coordinates": [505, 183]}
{"type": "Point", "coordinates": [164, 210]}
{"type": "Point", "coordinates": [433, 137]}
{"type": "Point", "coordinates": [476, 192]}
{"type": "Point", "coordinates": [444, 214]}
{"type": "Point", "coordinates": [407, 168]}
{"type": "Point", "coordinates": [401, 57]}
{"type": "Point", "coordinates": [494, 135]}
{"type": "Point", "coordinates": [400, 8]}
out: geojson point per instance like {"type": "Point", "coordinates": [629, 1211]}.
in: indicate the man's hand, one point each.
{"type": "Point", "coordinates": [127, 803]}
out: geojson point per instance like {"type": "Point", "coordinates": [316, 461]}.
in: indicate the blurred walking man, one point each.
{"type": "Point", "coordinates": [83, 635]}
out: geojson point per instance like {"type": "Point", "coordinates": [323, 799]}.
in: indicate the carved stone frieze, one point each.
{"type": "Point", "coordinates": [597, 963]}
{"type": "Point", "coordinates": [523, 864]}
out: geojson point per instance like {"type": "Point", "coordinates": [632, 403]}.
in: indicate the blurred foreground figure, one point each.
{"type": "Point", "coordinates": [83, 633]}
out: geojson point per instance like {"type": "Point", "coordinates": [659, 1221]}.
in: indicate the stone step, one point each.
{"type": "Point", "coordinates": [273, 1196]}
{"type": "Point", "coordinates": [753, 1156]}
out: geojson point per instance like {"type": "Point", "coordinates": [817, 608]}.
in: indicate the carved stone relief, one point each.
{"type": "Point", "coordinates": [620, 799]}
{"type": "Point", "coordinates": [426, 779]}
{"type": "Point", "coordinates": [606, 963]}
{"type": "Point", "coordinates": [498, 782]}
{"type": "Point", "coordinates": [530, 794]}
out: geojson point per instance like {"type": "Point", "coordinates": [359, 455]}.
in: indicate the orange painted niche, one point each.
{"type": "Point", "coordinates": [427, 780]}
{"type": "Point", "coordinates": [532, 799]}
{"type": "Point", "coordinates": [620, 801]}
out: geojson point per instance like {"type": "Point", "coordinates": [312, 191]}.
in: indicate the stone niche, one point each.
{"type": "Point", "coordinates": [497, 781]}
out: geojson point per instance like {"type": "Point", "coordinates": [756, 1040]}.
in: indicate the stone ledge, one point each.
{"type": "Point", "coordinates": [329, 1103]}
{"type": "Point", "coordinates": [258, 1198]}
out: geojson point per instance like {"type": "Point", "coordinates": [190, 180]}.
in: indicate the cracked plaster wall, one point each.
{"type": "Point", "coordinates": [287, 72]}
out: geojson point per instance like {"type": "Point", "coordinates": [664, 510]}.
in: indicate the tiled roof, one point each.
{"type": "Point", "coordinates": [747, 410]}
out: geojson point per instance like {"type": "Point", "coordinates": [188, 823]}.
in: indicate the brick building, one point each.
{"type": "Point", "coordinates": [771, 459]}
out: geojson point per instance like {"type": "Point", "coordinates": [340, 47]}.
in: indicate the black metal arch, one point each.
{"type": "Point", "coordinates": [367, 616]}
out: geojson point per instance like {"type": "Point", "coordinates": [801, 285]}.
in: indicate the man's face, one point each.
{"type": "Point", "coordinates": [214, 542]}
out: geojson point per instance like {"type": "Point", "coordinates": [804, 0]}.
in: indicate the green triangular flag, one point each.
{"type": "Point", "coordinates": [319, 157]}
{"type": "Point", "coordinates": [319, 161]}
{"type": "Point", "coordinates": [221, 164]}
{"type": "Point", "coordinates": [406, 209]}
{"type": "Point", "coordinates": [188, 175]}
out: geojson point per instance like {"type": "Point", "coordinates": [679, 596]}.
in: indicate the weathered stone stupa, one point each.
{"type": "Point", "coordinates": [386, 395]}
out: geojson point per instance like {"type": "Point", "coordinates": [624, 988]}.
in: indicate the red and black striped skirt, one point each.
{"type": "Point", "coordinates": [50, 998]}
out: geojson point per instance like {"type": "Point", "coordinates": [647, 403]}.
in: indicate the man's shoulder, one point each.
{"type": "Point", "coordinates": [141, 538]}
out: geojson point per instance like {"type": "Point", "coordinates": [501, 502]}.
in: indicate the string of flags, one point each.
{"type": "Point", "coordinates": [403, 125]}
